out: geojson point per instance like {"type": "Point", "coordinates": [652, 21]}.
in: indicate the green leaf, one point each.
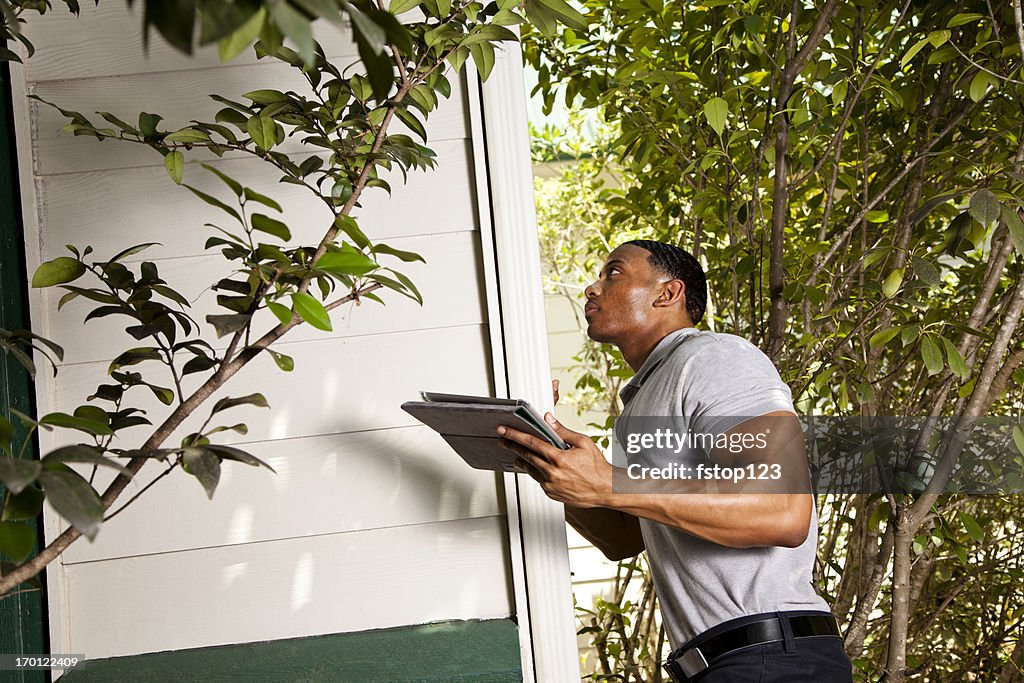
{"type": "Point", "coordinates": [123, 125]}
{"type": "Point", "coordinates": [174, 162]}
{"type": "Point", "coordinates": [232, 453]}
{"type": "Point", "coordinates": [228, 324]}
{"type": "Point", "coordinates": [1015, 226]}
{"type": "Point", "coordinates": [892, 283]}
{"type": "Point", "coordinates": [716, 111]}
{"type": "Point", "coordinates": [187, 135]}
{"type": "Point", "coordinates": [266, 96]}
{"type": "Point", "coordinates": [204, 466]}
{"type": "Point", "coordinates": [282, 313]}
{"type": "Point", "coordinates": [876, 216]}
{"type": "Point", "coordinates": [213, 201]}
{"type": "Point", "coordinates": [884, 337]}
{"type": "Point", "coordinates": [938, 38]}
{"type": "Point", "coordinates": [235, 186]}
{"type": "Point", "coordinates": [458, 58]}
{"type": "Point", "coordinates": [367, 30]}
{"type": "Point", "coordinates": [88, 426]}
{"type": "Point", "coordinates": [414, 124]}
{"type": "Point", "coordinates": [1018, 438]}
{"type": "Point", "coordinates": [926, 271]}
{"type": "Point", "coordinates": [16, 473]}
{"type": "Point", "coordinates": [131, 251]}
{"type": "Point", "coordinates": [974, 529]}
{"type": "Point", "coordinates": [134, 357]}
{"type": "Point", "coordinates": [980, 84]}
{"type": "Point", "coordinates": [17, 540]}
{"type": "Point", "coordinates": [232, 45]}
{"type": "Point", "coordinates": [295, 26]}
{"type": "Point", "coordinates": [81, 453]}
{"type": "Point", "coordinates": [961, 19]}
{"type": "Point", "coordinates": [271, 226]}
{"type": "Point", "coordinates": [342, 190]}
{"type": "Point", "coordinates": [58, 271]}
{"type": "Point", "coordinates": [311, 310]}
{"type": "Point", "coordinates": [406, 256]}
{"type": "Point", "coordinates": [985, 207]}
{"type": "Point", "coordinates": [74, 500]}
{"type": "Point", "coordinates": [348, 261]}
{"type": "Point", "coordinates": [251, 400]}
{"type": "Point", "coordinates": [286, 363]}
{"type": "Point", "coordinates": [563, 11]}
{"type": "Point", "coordinates": [348, 225]}
{"type": "Point", "coordinates": [932, 355]}
{"type": "Point", "coordinates": [413, 293]}
{"type": "Point", "coordinates": [148, 122]}
{"type": "Point", "coordinates": [25, 505]}
{"type": "Point", "coordinates": [263, 131]}
{"type": "Point", "coordinates": [956, 361]}
{"type": "Point", "coordinates": [399, 6]}
{"type": "Point", "coordinates": [912, 52]}
{"type": "Point", "coordinates": [254, 196]}
{"type": "Point", "coordinates": [483, 58]}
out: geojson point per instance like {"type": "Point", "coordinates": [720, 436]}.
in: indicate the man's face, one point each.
{"type": "Point", "coordinates": [620, 302]}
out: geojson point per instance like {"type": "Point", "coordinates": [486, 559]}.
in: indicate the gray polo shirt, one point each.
{"type": "Point", "coordinates": [708, 378]}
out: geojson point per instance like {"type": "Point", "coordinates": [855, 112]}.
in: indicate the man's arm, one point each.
{"type": "Point", "coordinates": [616, 534]}
{"type": "Point", "coordinates": [772, 513]}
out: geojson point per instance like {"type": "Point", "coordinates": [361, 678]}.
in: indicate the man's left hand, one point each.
{"type": "Point", "coordinates": [579, 476]}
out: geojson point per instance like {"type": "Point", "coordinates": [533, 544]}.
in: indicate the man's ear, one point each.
{"type": "Point", "coordinates": [673, 293]}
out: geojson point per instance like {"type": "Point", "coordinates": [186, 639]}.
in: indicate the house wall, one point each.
{"type": "Point", "coordinates": [22, 614]}
{"type": "Point", "coordinates": [370, 521]}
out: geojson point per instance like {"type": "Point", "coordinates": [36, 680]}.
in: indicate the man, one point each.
{"type": "Point", "coordinates": [731, 560]}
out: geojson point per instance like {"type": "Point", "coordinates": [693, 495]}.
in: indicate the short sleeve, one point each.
{"type": "Point", "coordinates": [730, 381]}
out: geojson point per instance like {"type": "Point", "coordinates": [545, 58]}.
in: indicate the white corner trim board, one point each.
{"type": "Point", "coordinates": [536, 523]}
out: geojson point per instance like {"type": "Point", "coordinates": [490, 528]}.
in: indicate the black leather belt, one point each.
{"type": "Point", "coordinates": [697, 655]}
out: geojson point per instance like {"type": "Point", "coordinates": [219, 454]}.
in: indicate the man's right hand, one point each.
{"type": "Point", "coordinates": [554, 392]}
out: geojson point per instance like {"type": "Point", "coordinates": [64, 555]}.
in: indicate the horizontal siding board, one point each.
{"type": "Point", "coordinates": [449, 299]}
{"type": "Point", "coordinates": [106, 210]}
{"type": "Point", "coordinates": [301, 587]}
{"type": "Point", "coordinates": [561, 313]}
{"type": "Point", "coordinates": [323, 485]}
{"type": "Point", "coordinates": [562, 346]}
{"type": "Point", "coordinates": [107, 40]}
{"type": "Point", "coordinates": [590, 564]}
{"type": "Point", "coordinates": [180, 97]}
{"type": "Point", "coordinates": [338, 385]}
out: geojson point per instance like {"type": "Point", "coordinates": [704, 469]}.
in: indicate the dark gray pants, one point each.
{"type": "Point", "coordinates": [820, 659]}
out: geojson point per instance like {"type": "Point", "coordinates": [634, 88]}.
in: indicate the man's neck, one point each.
{"type": "Point", "coordinates": [637, 349]}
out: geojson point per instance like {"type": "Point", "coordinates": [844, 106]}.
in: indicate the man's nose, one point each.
{"type": "Point", "coordinates": [591, 291]}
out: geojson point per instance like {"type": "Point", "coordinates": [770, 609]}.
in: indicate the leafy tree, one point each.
{"type": "Point", "coordinates": [852, 174]}
{"type": "Point", "coordinates": [270, 285]}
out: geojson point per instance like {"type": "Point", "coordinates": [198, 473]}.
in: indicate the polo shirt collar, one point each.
{"type": "Point", "coordinates": [660, 352]}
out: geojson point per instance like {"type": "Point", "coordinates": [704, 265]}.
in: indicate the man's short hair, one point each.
{"type": "Point", "coordinates": [679, 264]}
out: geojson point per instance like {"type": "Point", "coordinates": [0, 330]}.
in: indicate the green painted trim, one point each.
{"type": "Point", "coordinates": [450, 652]}
{"type": "Point", "coordinates": [23, 615]}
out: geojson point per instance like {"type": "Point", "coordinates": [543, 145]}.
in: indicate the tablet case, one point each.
{"type": "Point", "coordinates": [471, 428]}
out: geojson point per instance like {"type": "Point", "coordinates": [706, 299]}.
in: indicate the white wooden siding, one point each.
{"type": "Point", "coordinates": [370, 522]}
{"type": "Point", "coordinates": [295, 586]}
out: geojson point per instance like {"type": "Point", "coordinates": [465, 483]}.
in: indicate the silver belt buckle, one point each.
{"type": "Point", "coordinates": [692, 662]}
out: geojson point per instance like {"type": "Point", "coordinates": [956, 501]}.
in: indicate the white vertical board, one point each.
{"type": "Point", "coordinates": [541, 521]}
